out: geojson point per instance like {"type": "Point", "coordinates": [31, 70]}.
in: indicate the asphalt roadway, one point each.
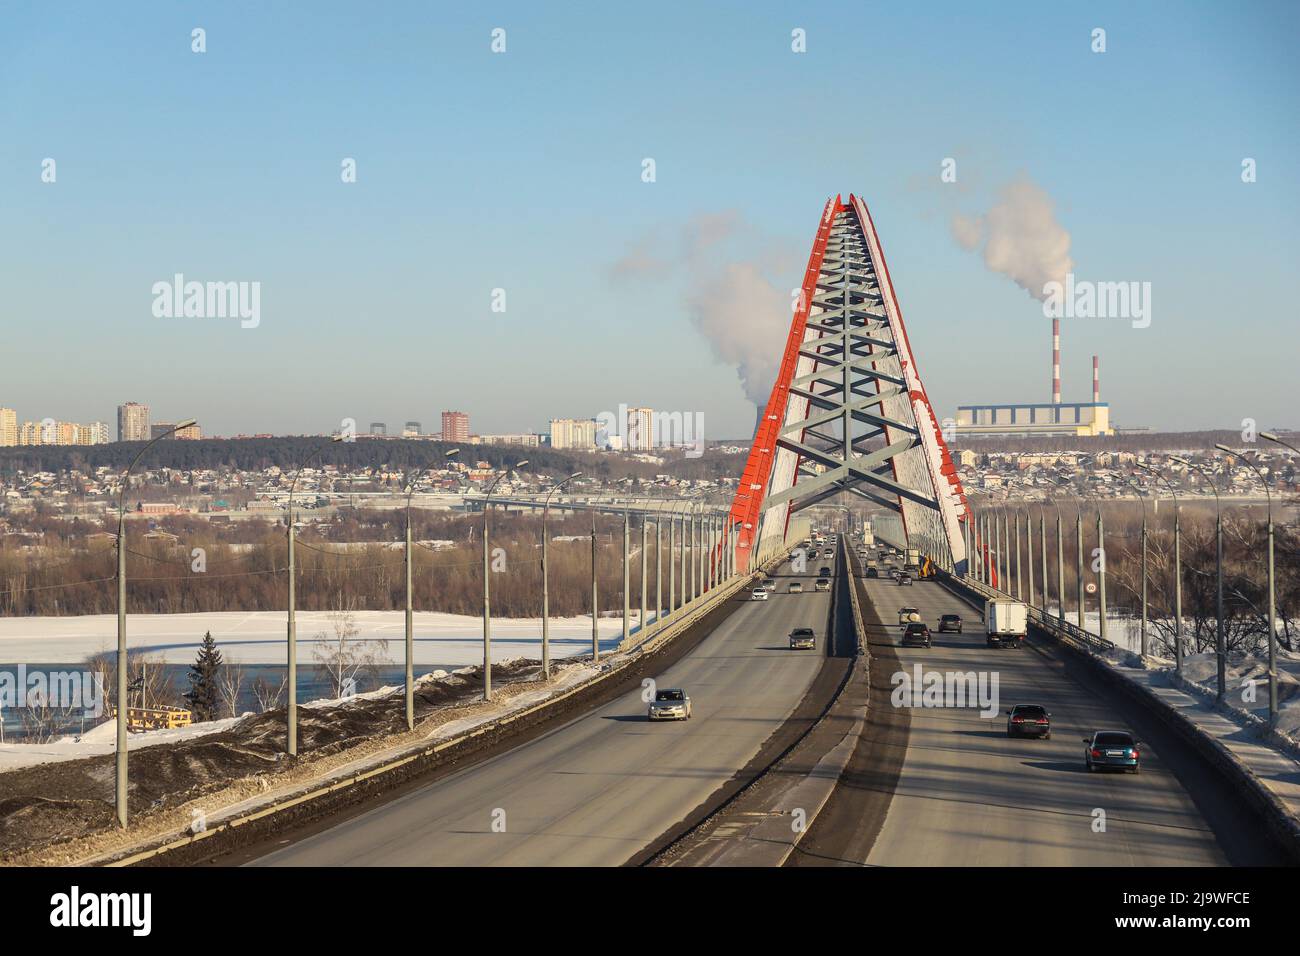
{"type": "Point", "coordinates": [605, 786]}
{"type": "Point", "coordinates": [946, 786]}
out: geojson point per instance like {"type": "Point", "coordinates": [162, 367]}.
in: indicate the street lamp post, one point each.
{"type": "Point", "coordinates": [627, 572]}
{"type": "Point", "coordinates": [487, 582]}
{"type": "Point", "coordinates": [595, 606]}
{"type": "Point", "coordinates": [659, 570]}
{"type": "Point", "coordinates": [1042, 548]}
{"type": "Point", "coordinates": [546, 594]}
{"type": "Point", "coordinates": [1142, 502]}
{"type": "Point", "coordinates": [1101, 571]}
{"type": "Point", "coordinates": [1019, 593]}
{"type": "Point", "coordinates": [1029, 554]}
{"type": "Point", "coordinates": [1078, 564]}
{"type": "Point", "coordinates": [1060, 565]}
{"type": "Point", "coordinates": [410, 604]}
{"type": "Point", "coordinates": [1178, 571]}
{"type": "Point", "coordinates": [291, 714]}
{"type": "Point", "coordinates": [645, 569]}
{"type": "Point", "coordinates": [1220, 647]}
{"type": "Point", "coordinates": [122, 778]}
{"type": "Point", "coordinates": [1272, 602]}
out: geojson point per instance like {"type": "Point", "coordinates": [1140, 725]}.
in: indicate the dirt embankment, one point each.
{"type": "Point", "coordinates": [54, 803]}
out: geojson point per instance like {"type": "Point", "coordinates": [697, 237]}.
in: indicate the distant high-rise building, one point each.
{"type": "Point", "coordinates": [133, 422]}
{"type": "Point", "coordinates": [50, 432]}
{"type": "Point", "coordinates": [573, 433]}
{"type": "Point", "coordinates": [8, 427]}
{"type": "Point", "coordinates": [411, 430]}
{"type": "Point", "coordinates": [378, 428]}
{"type": "Point", "coordinates": [455, 426]}
{"type": "Point", "coordinates": [96, 433]}
{"type": "Point", "coordinates": [640, 429]}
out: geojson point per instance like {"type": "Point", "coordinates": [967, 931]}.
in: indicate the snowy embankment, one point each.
{"type": "Point", "coordinates": [102, 739]}
{"type": "Point", "coordinates": [258, 637]}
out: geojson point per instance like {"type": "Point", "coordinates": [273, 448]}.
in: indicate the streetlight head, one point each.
{"type": "Point", "coordinates": [451, 453]}
{"type": "Point", "coordinates": [1181, 461]}
{"type": "Point", "coordinates": [1269, 435]}
{"type": "Point", "coordinates": [186, 424]}
{"type": "Point", "coordinates": [576, 474]}
{"type": "Point", "coordinates": [336, 438]}
{"type": "Point", "coordinates": [1224, 448]}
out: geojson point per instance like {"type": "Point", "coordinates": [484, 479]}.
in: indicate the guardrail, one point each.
{"type": "Point", "coordinates": [1058, 628]}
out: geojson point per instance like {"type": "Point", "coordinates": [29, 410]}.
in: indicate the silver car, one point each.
{"type": "Point", "coordinates": [670, 704]}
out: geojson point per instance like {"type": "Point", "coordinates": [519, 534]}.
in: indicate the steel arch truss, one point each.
{"type": "Point", "coordinates": [848, 413]}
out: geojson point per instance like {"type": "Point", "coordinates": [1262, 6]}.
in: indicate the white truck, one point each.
{"type": "Point", "coordinates": [912, 559]}
{"type": "Point", "coordinates": [1005, 623]}
{"type": "Point", "coordinates": [868, 537]}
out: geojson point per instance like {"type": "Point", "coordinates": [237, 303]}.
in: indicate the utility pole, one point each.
{"type": "Point", "coordinates": [1078, 567]}
{"type": "Point", "coordinates": [659, 570]}
{"type": "Point", "coordinates": [595, 603]}
{"type": "Point", "coordinates": [1272, 586]}
{"type": "Point", "coordinates": [645, 569]}
{"type": "Point", "coordinates": [1060, 569]}
{"type": "Point", "coordinates": [487, 584]}
{"type": "Point", "coordinates": [1029, 554]}
{"type": "Point", "coordinates": [672, 557]}
{"type": "Point", "coordinates": [627, 574]}
{"type": "Point", "coordinates": [1101, 571]}
{"type": "Point", "coordinates": [123, 684]}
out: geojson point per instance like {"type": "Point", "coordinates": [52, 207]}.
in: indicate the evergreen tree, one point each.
{"type": "Point", "coordinates": [203, 695]}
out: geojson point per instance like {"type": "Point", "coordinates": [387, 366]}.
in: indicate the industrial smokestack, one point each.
{"type": "Point", "coordinates": [1056, 361]}
{"type": "Point", "coordinates": [1096, 381]}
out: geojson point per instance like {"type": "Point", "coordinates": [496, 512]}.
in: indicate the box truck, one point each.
{"type": "Point", "coordinates": [1005, 623]}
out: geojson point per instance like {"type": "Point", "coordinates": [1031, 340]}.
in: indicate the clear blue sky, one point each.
{"type": "Point", "coordinates": [522, 171]}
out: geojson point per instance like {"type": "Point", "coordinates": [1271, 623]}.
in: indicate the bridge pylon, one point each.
{"type": "Point", "coordinates": [848, 412]}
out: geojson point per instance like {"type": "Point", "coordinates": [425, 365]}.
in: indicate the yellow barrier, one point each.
{"type": "Point", "coordinates": [154, 718]}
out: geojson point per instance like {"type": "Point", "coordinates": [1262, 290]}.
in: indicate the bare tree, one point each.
{"type": "Point", "coordinates": [230, 687]}
{"type": "Point", "coordinates": [268, 695]}
{"type": "Point", "coordinates": [344, 656]}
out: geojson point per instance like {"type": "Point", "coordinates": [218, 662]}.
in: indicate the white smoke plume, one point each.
{"type": "Point", "coordinates": [726, 292]}
{"type": "Point", "coordinates": [1021, 237]}
{"type": "Point", "coordinates": [745, 318]}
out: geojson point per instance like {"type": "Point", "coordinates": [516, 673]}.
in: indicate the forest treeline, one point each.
{"type": "Point", "coordinates": [166, 575]}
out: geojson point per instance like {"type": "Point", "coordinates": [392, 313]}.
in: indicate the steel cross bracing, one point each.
{"type": "Point", "coordinates": [856, 419]}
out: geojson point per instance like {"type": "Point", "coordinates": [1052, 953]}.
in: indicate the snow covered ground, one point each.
{"type": "Point", "coordinates": [258, 637]}
{"type": "Point", "coordinates": [101, 740]}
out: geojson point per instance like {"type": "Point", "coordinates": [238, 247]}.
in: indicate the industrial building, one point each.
{"type": "Point", "coordinates": [1046, 418]}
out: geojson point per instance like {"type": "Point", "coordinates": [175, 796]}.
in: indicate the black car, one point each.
{"type": "Point", "coordinates": [916, 634]}
{"type": "Point", "coordinates": [1111, 748]}
{"type": "Point", "coordinates": [1029, 720]}
{"type": "Point", "coordinates": [950, 622]}
{"type": "Point", "coordinates": [823, 572]}
{"type": "Point", "coordinates": [872, 573]}
{"type": "Point", "coordinates": [803, 638]}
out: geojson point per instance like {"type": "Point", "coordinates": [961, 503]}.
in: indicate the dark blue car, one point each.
{"type": "Point", "coordinates": [1112, 748]}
